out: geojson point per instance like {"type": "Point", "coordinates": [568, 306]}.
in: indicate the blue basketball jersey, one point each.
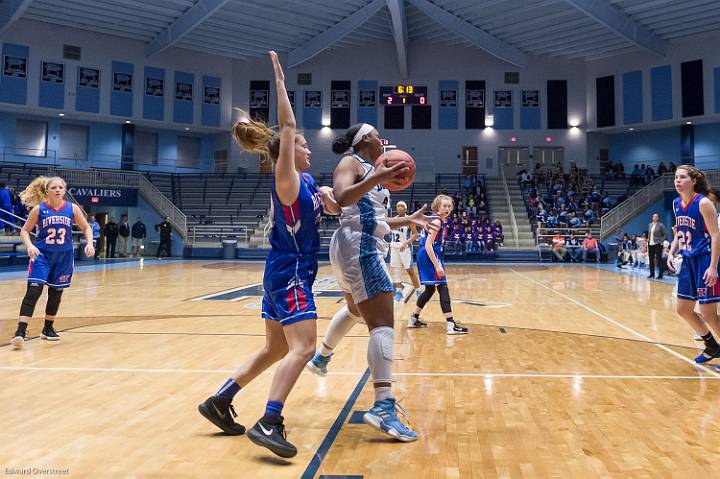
{"type": "Point", "coordinates": [55, 228]}
{"type": "Point", "coordinates": [295, 227]}
{"type": "Point", "coordinates": [693, 238]}
{"type": "Point", "coordinates": [438, 243]}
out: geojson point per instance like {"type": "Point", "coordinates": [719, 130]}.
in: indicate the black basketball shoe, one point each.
{"type": "Point", "coordinates": [269, 432]}
{"type": "Point", "coordinates": [219, 411]}
{"type": "Point", "coordinates": [49, 333]}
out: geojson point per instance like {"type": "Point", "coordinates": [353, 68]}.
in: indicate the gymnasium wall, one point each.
{"type": "Point", "coordinates": [435, 150]}
{"type": "Point", "coordinates": [110, 55]}
{"type": "Point", "coordinates": [104, 145]}
{"type": "Point", "coordinates": [648, 88]}
{"type": "Point", "coordinates": [104, 110]}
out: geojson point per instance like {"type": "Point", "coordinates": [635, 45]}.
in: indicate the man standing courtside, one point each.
{"type": "Point", "coordinates": [656, 235]}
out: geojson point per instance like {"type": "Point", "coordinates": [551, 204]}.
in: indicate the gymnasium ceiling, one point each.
{"type": "Point", "coordinates": [511, 30]}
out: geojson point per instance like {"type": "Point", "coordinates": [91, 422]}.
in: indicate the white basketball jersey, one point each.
{"type": "Point", "coordinates": [399, 235]}
{"type": "Point", "coordinates": [370, 212]}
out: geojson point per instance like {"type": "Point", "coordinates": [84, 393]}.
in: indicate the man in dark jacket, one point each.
{"type": "Point", "coordinates": [139, 233]}
{"type": "Point", "coordinates": [165, 230]}
{"type": "Point", "coordinates": [111, 236]}
{"type": "Point", "coordinates": [124, 234]}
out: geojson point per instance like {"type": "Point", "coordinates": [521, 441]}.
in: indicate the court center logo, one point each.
{"type": "Point", "coordinates": [326, 287]}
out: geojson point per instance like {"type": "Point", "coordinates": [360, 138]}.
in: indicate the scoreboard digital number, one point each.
{"type": "Point", "coordinates": [404, 95]}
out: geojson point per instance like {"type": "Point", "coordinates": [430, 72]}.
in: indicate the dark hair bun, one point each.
{"type": "Point", "coordinates": [340, 144]}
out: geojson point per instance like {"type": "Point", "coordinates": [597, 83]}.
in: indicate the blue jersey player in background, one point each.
{"type": "Point", "coordinates": [288, 305]}
{"type": "Point", "coordinates": [698, 241]}
{"type": "Point", "coordinates": [431, 267]}
{"type": "Point", "coordinates": [51, 257]}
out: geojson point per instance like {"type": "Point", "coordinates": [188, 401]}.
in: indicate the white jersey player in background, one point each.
{"type": "Point", "coordinates": [401, 253]}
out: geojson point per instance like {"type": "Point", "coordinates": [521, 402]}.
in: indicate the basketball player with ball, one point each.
{"type": "Point", "coordinates": [357, 253]}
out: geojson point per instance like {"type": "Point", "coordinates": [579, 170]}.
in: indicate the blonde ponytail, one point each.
{"type": "Point", "coordinates": [36, 191]}
{"type": "Point", "coordinates": [256, 137]}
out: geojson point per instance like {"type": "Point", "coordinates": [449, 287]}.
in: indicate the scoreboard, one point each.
{"type": "Point", "coordinates": [403, 95]}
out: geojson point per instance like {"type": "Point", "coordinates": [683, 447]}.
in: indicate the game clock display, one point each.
{"type": "Point", "coordinates": [400, 95]}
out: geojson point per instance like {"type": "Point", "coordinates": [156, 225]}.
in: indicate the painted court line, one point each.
{"type": "Point", "coordinates": [619, 325]}
{"type": "Point", "coordinates": [356, 373]}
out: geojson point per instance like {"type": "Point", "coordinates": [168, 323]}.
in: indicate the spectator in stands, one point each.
{"type": "Point", "coordinates": [672, 167]}
{"type": "Point", "coordinates": [7, 222]}
{"type": "Point", "coordinates": [662, 169]}
{"type": "Point", "coordinates": [111, 236]}
{"type": "Point", "coordinates": [498, 233]}
{"type": "Point", "coordinates": [95, 233]}
{"type": "Point", "coordinates": [165, 230]}
{"type": "Point", "coordinates": [558, 246]}
{"type": "Point", "coordinates": [624, 252]}
{"type": "Point", "coordinates": [665, 254]}
{"type": "Point", "coordinates": [19, 208]}
{"type": "Point", "coordinates": [590, 245]}
{"type": "Point", "coordinates": [574, 248]}
{"type": "Point", "coordinates": [642, 253]}
{"type": "Point", "coordinates": [656, 237]}
{"type": "Point", "coordinates": [139, 233]}
{"type": "Point", "coordinates": [123, 235]}
{"type": "Point", "coordinates": [619, 170]}
{"type": "Point", "coordinates": [634, 250]}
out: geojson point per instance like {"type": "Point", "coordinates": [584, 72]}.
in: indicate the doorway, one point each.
{"type": "Point", "coordinates": [514, 159]}
{"type": "Point", "coordinates": [469, 160]}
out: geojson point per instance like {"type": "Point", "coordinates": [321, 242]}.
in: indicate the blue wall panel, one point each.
{"type": "Point", "coordinates": [716, 75]}
{"type": "Point", "coordinates": [14, 89]}
{"type": "Point", "coordinates": [707, 146]}
{"type": "Point", "coordinates": [503, 118]}
{"type": "Point", "coordinates": [153, 85]}
{"type": "Point", "coordinates": [312, 116]}
{"type": "Point", "coordinates": [530, 118]}
{"type": "Point", "coordinates": [649, 147]}
{"type": "Point", "coordinates": [365, 114]}
{"type": "Point", "coordinates": [632, 97]}
{"type": "Point", "coordinates": [50, 93]}
{"type": "Point", "coordinates": [121, 88]}
{"type": "Point", "coordinates": [448, 115]}
{"type": "Point", "coordinates": [211, 94]}
{"type": "Point", "coordinates": [87, 97]}
{"type": "Point", "coordinates": [183, 107]}
{"type": "Point", "coordinates": [661, 94]}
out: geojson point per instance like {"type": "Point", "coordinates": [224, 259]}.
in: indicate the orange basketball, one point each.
{"type": "Point", "coordinates": [391, 157]}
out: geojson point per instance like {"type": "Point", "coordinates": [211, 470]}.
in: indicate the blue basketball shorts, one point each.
{"type": "Point", "coordinates": [288, 282]}
{"type": "Point", "coordinates": [54, 268]}
{"type": "Point", "coordinates": [691, 285]}
{"type": "Point", "coordinates": [426, 268]}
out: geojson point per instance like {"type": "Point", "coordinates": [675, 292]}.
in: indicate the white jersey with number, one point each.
{"type": "Point", "coordinates": [358, 247]}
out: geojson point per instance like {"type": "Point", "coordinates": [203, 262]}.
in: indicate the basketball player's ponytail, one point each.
{"type": "Point", "coordinates": [36, 191]}
{"type": "Point", "coordinates": [341, 144]}
{"type": "Point", "coordinates": [702, 185]}
{"type": "Point", "coordinates": [256, 137]}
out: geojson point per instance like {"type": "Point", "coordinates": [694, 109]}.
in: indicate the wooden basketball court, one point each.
{"type": "Point", "coordinates": [567, 372]}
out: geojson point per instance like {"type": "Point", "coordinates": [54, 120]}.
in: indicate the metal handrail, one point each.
{"type": "Point", "coordinates": [510, 209]}
{"type": "Point", "coordinates": [234, 231]}
{"type": "Point", "coordinates": [128, 179]}
{"type": "Point", "coordinates": [628, 209]}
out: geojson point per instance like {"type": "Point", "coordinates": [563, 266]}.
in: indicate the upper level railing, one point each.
{"type": "Point", "coordinates": [628, 209]}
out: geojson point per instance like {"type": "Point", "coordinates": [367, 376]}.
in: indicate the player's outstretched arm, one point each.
{"type": "Point", "coordinates": [287, 179]}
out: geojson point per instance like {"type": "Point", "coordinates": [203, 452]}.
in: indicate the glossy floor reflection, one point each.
{"type": "Point", "coordinates": [566, 372]}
